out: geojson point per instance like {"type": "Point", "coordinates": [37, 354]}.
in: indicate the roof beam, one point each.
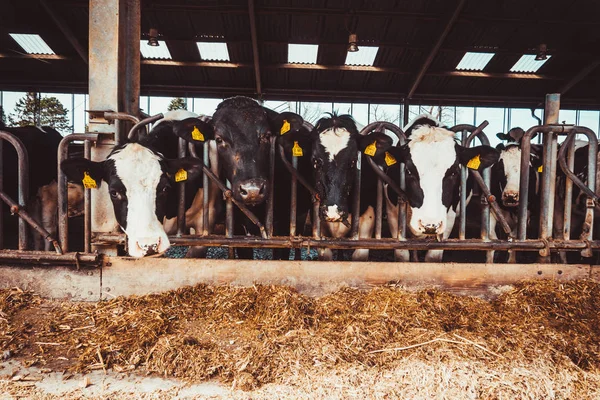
{"type": "Point", "coordinates": [64, 28]}
{"type": "Point", "coordinates": [579, 77]}
{"type": "Point", "coordinates": [434, 51]}
{"type": "Point", "coordinates": [255, 48]}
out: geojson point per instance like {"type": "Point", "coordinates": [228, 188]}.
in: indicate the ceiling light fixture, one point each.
{"type": "Point", "coordinates": [153, 37]}
{"type": "Point", "coordinates": [352, 43]}
{"type": "Point", "coordinates": [541, 52]}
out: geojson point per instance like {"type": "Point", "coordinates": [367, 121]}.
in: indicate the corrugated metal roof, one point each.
{"type": "Point", "coordinates": [528, 63]}
{"type": "Point", "coordinates": [32, 43]}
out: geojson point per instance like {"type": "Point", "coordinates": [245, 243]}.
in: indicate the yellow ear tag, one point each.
{"type": "Point", "coordinates": [371, 149]}
{"type": "Point", "coordinates": [541, 168]}
{"type": "Point", "coordinates": [88, 181]}
{"type": "Point", "coordinates": [474, 162]}
{"type": "Point", "coordinates": [285, 128]}
{"type": "Point", "coordinates": [181, 175]}
{"type": "Point", "coordinates": [297, 150]}
{"type": "Point", "coordinates": [197, 135]}
{"type": "Point", "coordinates": [389, 159]}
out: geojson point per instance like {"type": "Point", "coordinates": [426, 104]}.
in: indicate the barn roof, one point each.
{"type": "Point", "coordinates": [420, 43]}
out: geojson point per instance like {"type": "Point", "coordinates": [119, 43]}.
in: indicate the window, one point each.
{"type": "Point", "coordinates": [528, 63]}
{"type": "Point", "coordinates": [364, 56]}
{"type": "Point", "coordinates": [31, 43]}
{"type": "Point", "coordinates": [213, 51]}
{"type": "Point", "coordinates": [157, 52]}
{"type": "Point", "coordinates": [302, 53]}
{"type": "Point", "coordinates": [474, 61]}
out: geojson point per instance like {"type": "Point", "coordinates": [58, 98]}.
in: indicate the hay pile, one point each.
{"type": "Point", "coordinates": [252, 336]}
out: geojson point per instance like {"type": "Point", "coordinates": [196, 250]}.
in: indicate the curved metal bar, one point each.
{"type": "Point", "coordinates": [22, 180]}
{"type": "Point", "coordinates": [62, 195]}
{"type": "Point", "coordinates": [391, 184]}
{"type": "Point", "coordinates": [121, 116]}
{"type": "Point", "coordinates": [592, 151]}
{"type": "Point", "coordinates": [146, 121]}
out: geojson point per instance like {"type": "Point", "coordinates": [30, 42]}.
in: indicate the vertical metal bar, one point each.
{"type": "Point", "coordinates": [129, 63]}
{"type": "Point", "coordinates": [524, 183]}
{"type": "Point", "coordinates": [485, 217]}
{"type": "Point", "coordinates": [229, 222]}
{"type": "Point", "coordinates": [592, 162]}
{"type": "Point", "coordinates": [181, 223]}
{"type": "Point", "coordinates": [1, 186]}
{"type": "Point", "coordinates": [552, 109]}
{"type": "Point", "coordinates": [87, 205]}
{"type": "Point", "coordinates": [402, 207]}
{"type": "Point", "coordinates": [379, 209]}
{"type": "Point", "coordinates": [269, 218]}
{"type": "Point", "coordinates": [462, 227]}
{"type": "Point", "coordinates": [294, 198]}
{"type": "Point", "coordinates": [207, 189]}
{"type": "Point", "coordinates": [356, 200]}
{"type": "Point", "coordinates": [406, 109]}
{"type": "Point", "coordinates": [568, 192]}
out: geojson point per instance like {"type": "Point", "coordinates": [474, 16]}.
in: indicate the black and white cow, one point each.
{"type": "Point", "coordinates": [140, 180]}
{"type": "Point", "coordinates": [242, 129]}
{"type": "Point", "coordinates": [432, 159]}
{"type": "Point", "coordinates": [505, 184]}
{"type": "Point", "coordinates": [335, 146]}
{"type": "Point", "coordinates": [41, 144]}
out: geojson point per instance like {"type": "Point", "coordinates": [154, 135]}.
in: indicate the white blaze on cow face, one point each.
{"type": "Point", "coordinates": [333, 214]}
{"type": "Point", "coordinates": [433, 152]}
{"type": "Point", "coordinates": [334, 140]}
{"type": "Point", "coordinates": [140, 171]}
{"type": "Point", "coordinates": [511, 159]}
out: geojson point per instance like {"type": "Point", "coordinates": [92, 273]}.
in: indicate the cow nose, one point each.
{"type": "Point", "coordinates": [510, 198]}
{"type": "Point", "coordinates": [431, 229]}
{"type": "Point", "coordinates": [253, 191]}
{"type": "Point", "coordinates": [148, 246]}
{"type": "Point", "coordinates": [332, 213]}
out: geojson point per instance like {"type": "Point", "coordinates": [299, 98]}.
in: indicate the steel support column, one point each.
{"type": "Point", "coordinates": [255, 54]}
{"type": "Point", "coordinates": [113, 85]}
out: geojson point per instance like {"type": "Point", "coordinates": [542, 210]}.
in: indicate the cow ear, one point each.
{"type": "Point", "coordinates": [80, 169]}
{"type": "Point", "coordinates": [537, 156]}
{"type": "Point", "coordinates": [375, 144]}
{"type": "Point", "coordinates": [194, 130]}
{"type": "Point", "coordinates": [503, 136]}
{"type": "Point", "coordinates": [285, 122]}
{"type": "Point", "coordinates": [183, 169]}
{"type": "Point", "coordinates": [296, 142]}
{"type": "Point", "coordinates": [477, 158]}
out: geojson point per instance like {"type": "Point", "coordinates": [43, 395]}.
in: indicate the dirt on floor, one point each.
{"type": "Point", "coordinates": [540, 340]}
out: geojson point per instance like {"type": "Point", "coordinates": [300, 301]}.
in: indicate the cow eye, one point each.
{"type": "Point", "coordinates": [114, 194]}
{"type": "Point", "coordinates": [219, 139]}
{"type": "Point", "coordinates": [317, 163]}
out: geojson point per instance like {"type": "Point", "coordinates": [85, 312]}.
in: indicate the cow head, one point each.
{"type": "Point", "coordinates": [506, 174]}
{"type": "Point", "coordinates": [139, 180]}
{"type": "Point", "coordinates": [432, 161]}
{"type": "Point", "coordinates": [242, 130]}
{"type": "Point", "coordinates": [335, 146]}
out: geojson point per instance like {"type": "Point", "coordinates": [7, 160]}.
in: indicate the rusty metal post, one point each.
{"type": "Point", "coordinates": [548, 188]}
{"type": "Point", "coordinates": [356, 200]}
{"type": "Point", "coordinates": [206, 190]}
{"type": "Point", "coordinates": [181, 223]}
{"type": "Point", "coordinates": [462, 221]}
{"type": "Point", "coordinates": [269, 217]}
{"type": "Point", "coordinates": [114, 58]}
{"type": "Point", "coordinates": [568, 191]}
{"type": "Point", "coordinates": [22, 181]}
{"type": "Point", "coordinates": [294, 198]}
{"type": "Point", "coordinates": [379, 208]}
{"type": "Point", "coordinates": [1, 189]}
{"type": "Point", "coordinates": [87, 205]}
{"type": "Point", "coordinates": [229, 223]}
{"type": "Point", "coordinates": [524, 182]}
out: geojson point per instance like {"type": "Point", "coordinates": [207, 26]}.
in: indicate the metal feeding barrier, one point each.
{"type": "Point", "coordinates": [467, 133]}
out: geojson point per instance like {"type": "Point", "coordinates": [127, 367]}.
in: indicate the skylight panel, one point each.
{"type": "Point", "coordinates": [161, 51]}
{"type": "Point", "coordinates": [32, 43]}
{"type": "Point", "coordinates": [302, 53]}
{"type": "Point", "coordinates": [474, 61]}
{"type": "Point", "coordinates": [364, 56]}
{"type": "Point", "coordinates": [213, 51]}
{"type": "Point", "coordinates": [528, 63]}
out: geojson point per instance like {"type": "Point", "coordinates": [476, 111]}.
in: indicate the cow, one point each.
{"type": "Point", "coordinates": [505, 184]}
{"type": "Point", "coordinates": [140, 178]}
{"type": "Point", "coordinates": [41, 144]}
{"type": "Point", "coordinates": [243, 129]}
{"type": "Point", "coordinates": [335, 143]}
{"type": "Point", "coordinates": [432, 159]}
